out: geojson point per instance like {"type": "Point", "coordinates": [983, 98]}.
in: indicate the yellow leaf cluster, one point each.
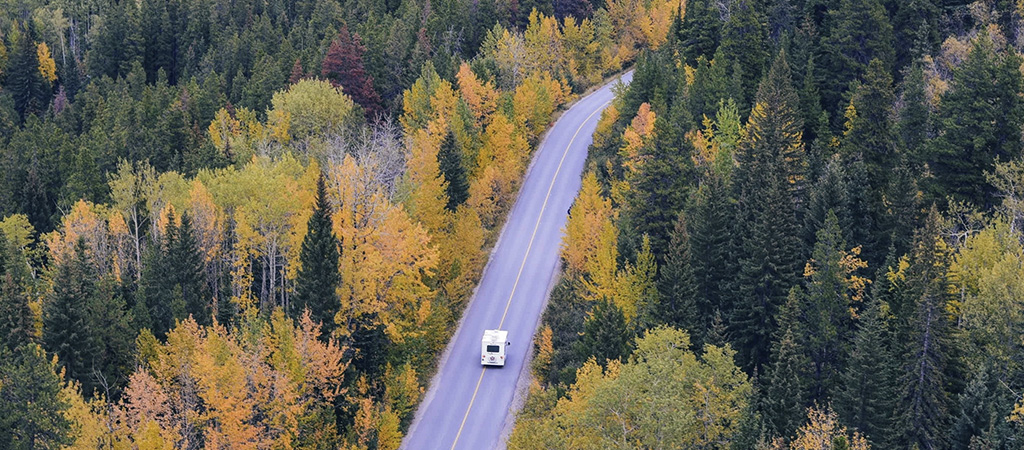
{"type": "Point", "coordinates": [47, 66]}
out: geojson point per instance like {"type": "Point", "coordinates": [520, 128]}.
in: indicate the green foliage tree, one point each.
{"type": "Point", "coordinates": [30, 91]}
{"type": "Point", "coordinates": [319, 277]}
{"type": "Point", "coordinates": [700, 30]}
{"type": "Point", "coordinates": [869, 389]}
{"type": "Point", "coordinates": [784, 398]}
{"type": "Point", "coordinates": [188, 271]}
{"type": "Point", "coordinates": [980, 121]}
{"type": "Point", "coordinates": [449, 159]}
{"type": "Point", "coordinates": [860, 32]}
{"type": "Point", "coordinates": [771, 165]}
{"type": "Point", "coordinates": [606, 335]}
{"type": "Point", "coordinates": [743, 43]}
{"type": "Point", "coordinates": [679, 306]}
{"type": "Point", "coordinates": [924, 409]}
{"type": "Point", "coordinates": [32, 408]}
{"type": "Point", "coordinates": [67, 326]}
{"type": "Point", "coordinates": [16, 317]}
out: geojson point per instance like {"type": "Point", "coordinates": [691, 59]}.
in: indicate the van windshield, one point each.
{"type": "Point", "coordinates": [493, 349]}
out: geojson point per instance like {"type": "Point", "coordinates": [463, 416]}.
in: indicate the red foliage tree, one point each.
{"type": "Point", "coordinates": [343, 66]}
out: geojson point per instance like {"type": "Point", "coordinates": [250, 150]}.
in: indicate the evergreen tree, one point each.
{"type": "Point", "coordinates": [867, 399]}
{"type": "Point", "coordinates": [319, 276]}
{"type": "Point", "coordinates": [343, 66]}
{"type": "Point", "coordinates": [16, 317]}
{"type": "Point", "coordinates": [917, 30]}
{"type": "Point", "coordinates": [829, 193]}
{"type": "Point", "coordinates": [32, 408]}
{"type": "Point", "coordinates": [860, 32]}
{"type": "Point", "coordinates": [606, 335]}
{"type": "Point", "coordinates": [188, 271]}
{"type": "Point", "coordinates": [980, 120]}
{"type": "Point", "coordinates": [783, 399]}
{"type": "Point", "coordinates": [679, 306]}
{"type": "Point", "coordinates": [984, 406]}
{"type": "Point", "coordinates": [928, 353]}
{"type": "Point", "coordinates": [913, 127]}
{"type": "Point", "coordinates": [710, 226]}
{"type": "Point", "coordinates": [770, 171]}
{"type": "Point", "coordinates": [700, 30]}
{"type": "Point", "coordinates": [449, 159]}
{"type": "Point", "coordinates": [743, 42]}
{"type": "Point", "coordinates": [658, 191]}
{"type": "Point", "coordinates": [710, 86]}
{"type": "Point", "coordinates": [27, 86]}
{"type": "Point", "coordinates": [67, 326]}
{"type": "Point", "coordinates": [824, 309]}
{"type": "Point", "coordinates": [869, 128]}
{"type": "Point", "coordinates": [158, 294]}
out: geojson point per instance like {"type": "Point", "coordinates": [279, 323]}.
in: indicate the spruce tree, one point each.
{"type": "Point", "coordinates": [319, 277]}
{"type": "Point", "coordinates": [824, 309]}
{"type": "Point", "coordinates": [828, 193]}
{"type": "Point", "coordinates": [913, 125]}
{"type": "Point", "coordinates": [860, 32]}
{"type": "Point", "coordinates": [449, 159]}
{"type": "Point", "coordinates": [869, 129]}
{"type": "Point", "coordinates": [679, 306]}
{"type": "Point", "coordinates": [24, 81]}
{"type": "Point", "coordinates": [768, 247]}
{"type": "Point", "coordinates": [32, 407]}
{"type": "Point", "coordinates": [606, 336]}
{"type": "Point", "coordinates": [710, 226]}
{"type": "Point", "coordinates": [16, 317]}
{"type": "Point", "coordinates": [187, 268]}
{"type": "Point", "coordinates": [917, 30]}
{"type": "Point", "coordinates": [743, 42]}
{"type": "Point", "coordinates": [700, 30]}
{"type": "Point", "coordinates": [67, 326]}
{"type": "Point", "coordinates": [928, 352]}
{"type": "Point", "coordinates": [868, 396]}
{"type": "Point", "coordinates": [710, 86]}
{"type": "Point", "coordinates": [980, 120]}
{"type": "Point", "coordinates": [783, 397]}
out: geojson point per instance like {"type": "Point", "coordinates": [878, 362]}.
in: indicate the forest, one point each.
{"type": "Point", "coordinates": [800, 228]}
{"type": "Point", "coordinates": [252, 224]}
{"type": "Point", "coordinates": [255, 224]}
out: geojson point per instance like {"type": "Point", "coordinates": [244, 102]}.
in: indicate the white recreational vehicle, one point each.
{"type": "Point", "coordinates": [492, 349]}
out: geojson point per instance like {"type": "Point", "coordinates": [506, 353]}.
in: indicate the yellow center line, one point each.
{"type": "Point", "coordinates": [529, 246]}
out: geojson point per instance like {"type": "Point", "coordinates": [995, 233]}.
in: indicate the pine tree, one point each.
{"type": "Point", "coordinates": [319, 276]}
{"type": "Point", "coordinates": [710, 226]}
{"type": "Point", "coordinates": [67, 326]}
{"type": "Point", "coordinates": [783, 399]}
{"type": "Point", "coordinates": [868, 397]}
{"type": "Point", "coordinates": [768, 180]}
{"type": "Point", "coordinates": [860, 32]}
{"type": "Point", "coordinates": [156, 300]}
{"type": "Point", "coordinates": [16, 317]}
{"type": "Point", "coordinates": [343, 66]}
{"type": "Point", "coordinates": [743, 43]}
{"type": "Point", "coordinates": [975, 133]}
{"type": "Point", "coordinates": [24, 81]}
{"type": "Point", "coordinates": [710, 86]}
{"type": "Point", "coordinates": [869, 129]}
{"type": "Point", "coordinates": [188, 271]}
{"type": "Point", "coordinates": [824, 308]}
{"type": "Point", "coordinates": [829, 193]}
{"type": "Point", "coordinates": [679, 306]}
{"type": "Point", "coordinates": [606, 335]}
{"type": "Point", "coordinates": [913, 126]}
{"type": "Point", "coordinates": [917, 30]}
{"type": "Point", "coordinates": [928, 353]}
{"type": "Point", "coordinates": [449, 159]}
{"type": "Point", "coordinates": [700, 30]}
{"type": "Point", "coordinates": [32, 407]}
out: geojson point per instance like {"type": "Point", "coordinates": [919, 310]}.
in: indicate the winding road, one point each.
{"type": "Point", "coordinates": [468, 406]}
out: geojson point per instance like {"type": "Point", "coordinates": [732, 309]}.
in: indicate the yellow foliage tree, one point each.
{"type": "Point", "coordinates": [47, 66]}
{"type": "Point", "coordinates": [481, 97]}
{"type": "Point", "coordinates": [589, 217]}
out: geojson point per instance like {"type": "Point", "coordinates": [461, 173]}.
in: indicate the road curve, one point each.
{"type": "Point", "coordinates": [467, 405]}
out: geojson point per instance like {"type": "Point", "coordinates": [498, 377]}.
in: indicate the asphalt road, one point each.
{"type": "Point", "coordinates": [467, 405]}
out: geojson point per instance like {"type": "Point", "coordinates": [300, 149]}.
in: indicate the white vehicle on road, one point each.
{"type": "Point", "coordinates": [492, 349]}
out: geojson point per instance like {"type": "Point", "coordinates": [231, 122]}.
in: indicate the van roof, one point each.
{"type": "Point", "coordinates": [499, 336]}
